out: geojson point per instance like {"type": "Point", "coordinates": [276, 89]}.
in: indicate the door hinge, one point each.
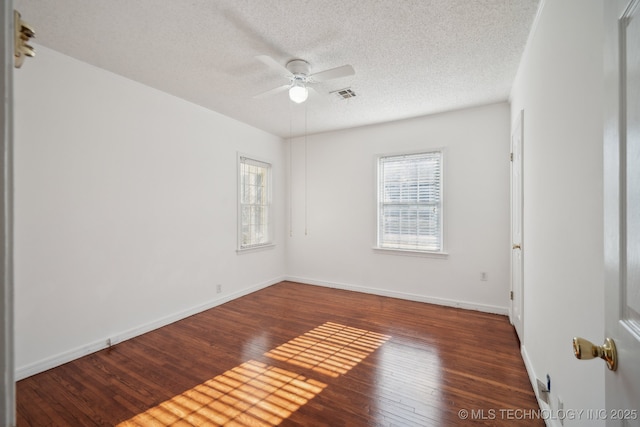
{"type": "Point", "coordinates": [511, 295]}
{"type": "Point", "coordinates": [511, 157]}
{"type": "Point", "coordinates": [22, 34]}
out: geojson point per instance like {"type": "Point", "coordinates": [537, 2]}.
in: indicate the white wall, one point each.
{"type": "Point", "coordinates": [125, 209]}
{"type": "Point", "coordinates": [338, 188]}
{"type": "Point", "coordinates": [559, 86]}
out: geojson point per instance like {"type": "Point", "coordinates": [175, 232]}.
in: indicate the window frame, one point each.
{"type": "Point", "coordinates": [379, 245]}
{"type": "Point", "coordinates": [268, 187]}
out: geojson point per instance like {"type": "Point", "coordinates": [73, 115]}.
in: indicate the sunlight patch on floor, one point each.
{"type": "Point", "coordinates": [331, 349]}
{"type": "Point", "coordinates": [255, 394]}
{"type": "Point", "coordinates": [252, 394]}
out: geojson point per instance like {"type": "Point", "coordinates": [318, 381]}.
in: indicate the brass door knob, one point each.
{"type": "Point", "coordinates": [517, 247]}
{"type": "Point", "coordinates": [585, 349]}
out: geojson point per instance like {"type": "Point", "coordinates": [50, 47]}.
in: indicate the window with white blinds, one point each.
{"type": "Point", "coordinates": [254, 203]}
{"type": "Point", "coordinates": [410, 202]}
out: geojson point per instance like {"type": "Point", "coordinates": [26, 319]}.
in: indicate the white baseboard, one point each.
{"type": "Point", "coordinates": [550, 421]}
{"type": "Point", "coordinates": [402, 295]}
{"type": "Point", "coordinates": [23, 372]}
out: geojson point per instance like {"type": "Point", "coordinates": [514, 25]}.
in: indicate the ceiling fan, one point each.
{"type": "Point", "coordinates": [297, 71]}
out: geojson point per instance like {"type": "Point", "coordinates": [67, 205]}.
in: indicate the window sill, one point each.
{"type": "Point", "coordinates": [408, 252]}
{"type": "Point", "coordinates": [257, 248]}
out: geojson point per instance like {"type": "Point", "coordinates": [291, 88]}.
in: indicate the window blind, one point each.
{"type": "Point", "coordinates": [410, 202]}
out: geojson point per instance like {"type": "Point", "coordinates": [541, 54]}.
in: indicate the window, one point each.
{"type": "Point", "coordinates": [410, 202]}
{"type": "Point", "coordinates": [254, 203]}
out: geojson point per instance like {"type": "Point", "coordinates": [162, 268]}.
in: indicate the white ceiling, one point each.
{"type": "Point", "coordinates": [412, 57]}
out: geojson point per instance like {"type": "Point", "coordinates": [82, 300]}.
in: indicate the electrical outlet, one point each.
{"type": "Point", "coordinates": [543, 392]}
{"type": "Point", "coordinates": [484, 276]}
{"type": "Point", "coordinates": [218, 289]}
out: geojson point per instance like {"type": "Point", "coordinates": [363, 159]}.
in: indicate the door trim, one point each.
{"type": "Point", "coordinates": [7, 390]}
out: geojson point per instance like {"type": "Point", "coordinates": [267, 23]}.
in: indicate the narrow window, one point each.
{"type": "Point", "coordinates": [254, 203]}
{"type": "Point", "coordinates": [410, 202]}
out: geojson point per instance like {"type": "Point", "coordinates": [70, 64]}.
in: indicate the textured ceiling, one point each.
{"type": "Point", "coordinates": [411, 57]}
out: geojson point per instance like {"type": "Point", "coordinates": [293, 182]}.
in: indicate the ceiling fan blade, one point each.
{"type": "Point", "coordinates": [317, 97]}
{"type": "Point", "coordinates": [272, 92]}
{"type": "Point", "coordinates": [333, 73]}
{"type": "Point", "coordinates": [272, 63]}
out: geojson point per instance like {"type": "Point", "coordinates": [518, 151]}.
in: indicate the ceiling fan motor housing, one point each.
{"type": "Point", "coordinates": [298, 67]}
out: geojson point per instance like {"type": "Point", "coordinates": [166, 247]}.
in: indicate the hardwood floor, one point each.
{"type": "Point", "coordinates": [297, 355]}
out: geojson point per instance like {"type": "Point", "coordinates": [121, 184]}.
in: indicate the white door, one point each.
{"type": "Point", "coordinates": [622, 208]}
{"type": "Point", "coordinates": [517, 301]}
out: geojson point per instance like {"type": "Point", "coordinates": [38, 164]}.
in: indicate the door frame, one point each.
{"type": "Point", "coordinates": [517, 289]}
{"type": "Point", "coordinates": [7, 390]}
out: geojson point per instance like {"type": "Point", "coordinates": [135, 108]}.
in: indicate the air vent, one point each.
{"type": "Point", "coordinates": [344, 93]}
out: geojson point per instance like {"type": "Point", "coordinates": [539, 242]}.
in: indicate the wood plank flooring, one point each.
{"type": "Point", "coordinates": [297, 355]}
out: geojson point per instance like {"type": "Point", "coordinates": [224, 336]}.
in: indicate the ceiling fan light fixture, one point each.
{"type": "Point", "coordinates": [298, 92]}
{"type": "Point", "coordinates": [298, 72]}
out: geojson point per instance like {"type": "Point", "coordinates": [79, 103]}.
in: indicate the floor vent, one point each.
{"type": "Point", "coordinates": [344, 93]}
